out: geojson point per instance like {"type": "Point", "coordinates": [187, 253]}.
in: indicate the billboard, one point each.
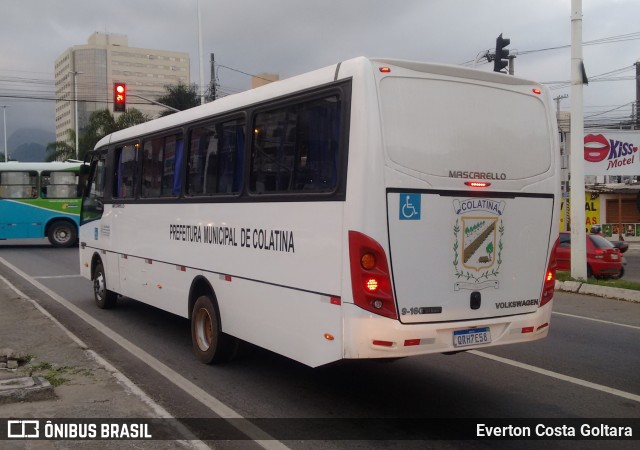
{"type": "Point", "coordinates": [612, 152]}
{"type": "Point", "coordinates": [591, 209]}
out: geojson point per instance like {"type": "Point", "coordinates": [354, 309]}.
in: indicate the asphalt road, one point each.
{"type": "Point", "coordinates": [632, 269]}
{"type": "Point", "coordinates": [588, 367]}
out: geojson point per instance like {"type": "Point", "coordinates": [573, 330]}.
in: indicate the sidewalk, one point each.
{"type": "Point", "coordinates": [76, 383]}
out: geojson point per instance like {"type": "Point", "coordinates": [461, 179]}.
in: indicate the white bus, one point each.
{"type": "Point", "coordinates": [371, 209]}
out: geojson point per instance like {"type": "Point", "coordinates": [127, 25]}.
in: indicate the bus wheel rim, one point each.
{"type": "Point", "coordinates": [204, 330]}
{"type": "Point", "coordinates": [98, 286]}
{"type": "Point", "coordinates": [62, 235]}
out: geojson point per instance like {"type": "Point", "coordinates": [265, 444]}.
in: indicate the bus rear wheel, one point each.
{"type": "Point", "coordinates": [62, 234]}
{"type": "Point", "coordinates": [210, 344]}
{"type": "Point", "coordinates": [105, 299]}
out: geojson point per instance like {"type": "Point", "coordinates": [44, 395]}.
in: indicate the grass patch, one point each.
{"type": "Point", "coordinates": [622, 283]}
{"type": "Point", "coordinates": [56, 375]}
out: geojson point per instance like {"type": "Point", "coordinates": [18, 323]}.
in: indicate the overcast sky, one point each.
{"type": "Point", "coordinates": [289, 37]}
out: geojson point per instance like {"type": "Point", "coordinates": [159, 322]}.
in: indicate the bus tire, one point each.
{"type": "Point", "coordinates": [210, 344]}
{"type": "Point", "coordinates": [105, 299]}
{"type": "Point", "coordinates": [62, 234]}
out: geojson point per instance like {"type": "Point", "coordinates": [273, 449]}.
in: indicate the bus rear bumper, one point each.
{"type": "Point", "coordinates": [370, 336]}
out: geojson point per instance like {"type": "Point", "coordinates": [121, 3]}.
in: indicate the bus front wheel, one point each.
{"type": "Point", "coordinates": [62, 234]}
{"type": "Point", "coordinates": [105, 299]}
{"type": "Point", "coordinates": [210, 344]}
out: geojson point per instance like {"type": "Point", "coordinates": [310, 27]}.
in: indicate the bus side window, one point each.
{"type": "Point", "coordinates": [19, 184]}
{"type": "Point", "coordinates": [296, 148]}
{"type": "Point", "coordinates": [126, 171]}
{"type": "Point", "coordinates": [59, 184]}
{"type": "Point", "coordinates": [152, 167]}
{"type": "Point", "coordinates": [215, 159]}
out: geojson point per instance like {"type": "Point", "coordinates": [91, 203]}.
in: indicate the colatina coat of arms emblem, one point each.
{"type": "Point", "coordinates": [477, 247]}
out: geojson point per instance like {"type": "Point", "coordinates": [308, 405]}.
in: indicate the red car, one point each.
{"type": "Point", "coordinates": [603, 259]}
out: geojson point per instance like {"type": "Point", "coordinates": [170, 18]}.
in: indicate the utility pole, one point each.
{"type": "Point", "coordinates": [4, 115]}
{"type": "Point", "coordinates": [637, 94]}
{"type": "Point", "coordinates": [213, 84]}
{"type": "Point", "coordinates": [201, 56]}
{"type": "Point", "coordinates": [75, 73]}
{"type": "Point", "coordinates": [578, 216]}
{"type": "Point", "coordinates": [557, 100]}
{"type": "Point", "coordinates": [511, 64]}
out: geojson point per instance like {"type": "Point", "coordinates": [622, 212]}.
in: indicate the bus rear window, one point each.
{"type": "Point", "coordinates": [449, 128]}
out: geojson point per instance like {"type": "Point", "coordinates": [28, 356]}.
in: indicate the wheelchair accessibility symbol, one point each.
{"type": "Point", "coordinates": [409, 206]}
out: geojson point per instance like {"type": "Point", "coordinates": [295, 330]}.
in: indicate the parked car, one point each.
{"type": "Point", "coordinates": [620, 245]}
{"type": "Point", "coordinates": [603, 259]}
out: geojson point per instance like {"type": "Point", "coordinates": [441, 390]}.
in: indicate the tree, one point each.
{"type": "Point", "coordinates": [101, 123]}
{"type": "Point", "coordinates": [179, 96]}
{"type": "Point", "coordinates": [130, 118]}
{"type": "Point", "coordinates": [62, 150]}
{"type": "Point", "coordinates": [489, 249]}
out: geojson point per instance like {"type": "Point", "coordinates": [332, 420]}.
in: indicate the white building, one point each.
{"type": "Point", "coordinates": [105, 59]}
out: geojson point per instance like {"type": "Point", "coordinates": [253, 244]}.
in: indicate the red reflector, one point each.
{"type": "Point", "coordinates": [477, 184]}
{"type": "Point", "coordinates": [410, 342]}
{"type": "Point", "coordinates": [544, 325]}
{"type": "Point", "coordinates": [181, 268]}
{"type": "Point", "coordinates": [527, 330]}
{"type": "Point", "coordinates": [336, 301]}
{"type": "Point", "coordinates": [537, 91]}
{"type": "Point", "coordinates": [149, 261]}
{"type": "Point", "coordinates": [385, 69]}
{"type": "Point", "coordinates": [383, 343]}
{"type": "Point", "coordinates": [227, 278]}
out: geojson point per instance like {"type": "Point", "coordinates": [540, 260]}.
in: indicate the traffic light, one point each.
{"type": "Point", "coordinates": [119, 97]}
{"type": "Point", "coordinates": [499, 61]}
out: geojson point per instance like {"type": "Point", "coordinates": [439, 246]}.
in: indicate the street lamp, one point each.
{"type": "Point", "coordinates": [6, 151]}
{"type": "Point", "coordinates": [75, 100]}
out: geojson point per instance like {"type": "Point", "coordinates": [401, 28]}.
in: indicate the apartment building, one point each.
{"type": "Point", "coordinates": [87, 72]}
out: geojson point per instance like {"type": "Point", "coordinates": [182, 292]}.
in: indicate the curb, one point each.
{"type": "Point", "coordinates": [25, 389]}
{"type": "Point", "coordinates": [578, 287]}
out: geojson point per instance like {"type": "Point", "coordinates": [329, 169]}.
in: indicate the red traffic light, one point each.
{"type": "Point", "coordinates": [119, 97]}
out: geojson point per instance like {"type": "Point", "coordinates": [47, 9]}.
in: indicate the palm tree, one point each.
{"type": "Point", "coordinates": [62, 150]}
{"type": "Point", "coordinates": [179, 96]}
{"type": "Point", "coordinates": [101, 123]}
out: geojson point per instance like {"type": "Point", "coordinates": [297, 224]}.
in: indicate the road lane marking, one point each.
{"type": "Point", "coordinates": [259, 436]}
{"type": "Point", "coordinates": [558, 376]}
{"type": "Point", "coordinates": [53, 277]}
{"type": "Point", "coordinates": [597, 320]}
{"type": "Point", "coordinates": [119, 376]}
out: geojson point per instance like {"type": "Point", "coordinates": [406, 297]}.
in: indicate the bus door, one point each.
{"type": "Point", "coordinates": [95, 220]}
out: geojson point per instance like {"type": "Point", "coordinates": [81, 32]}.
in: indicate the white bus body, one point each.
{"type": "Point", "coordinates": [391, 250]}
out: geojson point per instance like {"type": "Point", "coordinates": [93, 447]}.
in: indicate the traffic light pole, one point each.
{"type": "Point", "coordinates": [154, 102]}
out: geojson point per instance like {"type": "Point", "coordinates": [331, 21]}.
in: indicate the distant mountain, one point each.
{"type": "Point", "coordinates": [28, 153]}
{"type": "Point", "coordinates": [29, 144]}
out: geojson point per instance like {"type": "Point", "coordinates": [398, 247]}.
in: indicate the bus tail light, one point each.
{"type": "Point", "coordinates": [370, 276]}
{"type": "Point", "coordinates": [550, 276]}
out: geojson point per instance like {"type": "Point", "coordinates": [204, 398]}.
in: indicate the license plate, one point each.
{"type": "Point", "coordinates": [474, 336]}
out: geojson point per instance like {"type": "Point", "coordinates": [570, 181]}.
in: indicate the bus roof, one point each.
{"type": "Point", "coordinates": [297, 83]}
{"type": "Point", "coordinates": [38, 166]}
